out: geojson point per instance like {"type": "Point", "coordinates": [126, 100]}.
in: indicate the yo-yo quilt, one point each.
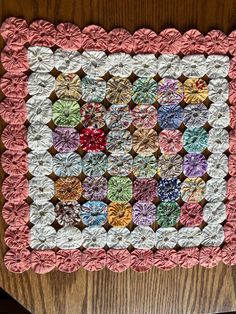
{"type": "Point", "coordinates": [120, 149]}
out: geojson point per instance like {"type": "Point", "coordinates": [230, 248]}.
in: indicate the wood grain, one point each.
{"type": "Point", "coordinates": [178, 291]}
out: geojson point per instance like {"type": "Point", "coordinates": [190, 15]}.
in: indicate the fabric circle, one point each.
{"type": "Point", "coordinates": [165, 259]}
{"type": "Point", "coordinates": [15, 215]}
{"type": "Point", "coordinates": [118, 117]}
{"type": "Point", "coordinates": [14, 61]}
{"type": "Point", "coordinates": [41, 189]}
{"type": "Point", "coordinates": [17, 261]}
{"type": "Point", "coordinates": [166, 238]}
{"type": "Point", "coordinates": [119, 141]}
{"type": "Point", "coordinates": [169, 41]}
{"type": "Point", "coordinates": [168, 214]}
{"type": "Point", "coordinates": [119, 214]}
{"type": "Point", "coordinates": [216, 42]}
{"type": "Point", "coordinates": [15, 32]}
{"type": "Point", "coordinates": [92, 115]}
{"type": "Point", "coordinates": [14, 85]}
{"type": "Point", "coordinates": [170, 116]}
{"type": "Point", "coordinates": [17, 237]}
{"type": "Point", "coordinates": [193, 190]}
{"type": "Point", "coordinates": [169, 166]}
{"type": "Point", "coordinates": [169, 91]}
{"type": "Point", "coordinates": [212, 235]}
{"type": "Point", "coordinates": [94, 38]}
{"type": "Point", "coordinates": [15, 188]}
{"type": "Point", "coordinates": [119, 189]}
{"type": "Point", "coordinates": [69, 237]}
{"type": "Point", "coordinates": [13, 111]}
{"type": "Point", "coordinates": [68, 189]}
{"type": "Point", "coordinates": [228, 254]}
{"type": "Point", "coordinates": [145, 189]}
{"type": "Point", "coordinates": [67, 213]}
{"type": "Point", "coordinates": [144, 41]}
{"type": "Point", "coordinates": [93, 213]}
{"type": "Point", "coordinates": [189, 236]}
{"type": "Point", "coordinates": [170, 66]}
{"type": "Point", "coordinates": [94, 237]}
{"type": "Point", "coordinates": [68, 86]}
{"type": "Point", "coordinates": [142, 237]}
{"type": "Point", "coordinates": [141, 260]}
{"type": "Point", "coordinates": [41, 84]}
{"type": "Point", "coordinates": [119, 164]}
{"type": "Point", "coordinates": [232, 68]}
{"type": "Point", "coordinates": [94, 164]}
{"type": "Point", "coordinates": [233, 117]}
{"type": "Point", "coordinates": [209, 256]}
{"type": "Point", "coordinates": [193, 42]}
{"type": "Point", "coordinates": [118, 90]}
{"type": "Point", "coordinates": [218, 115]}
{"type": "Point", "coordinates": [118, 260]}
{"type": "Point", "coordinates": [14, 162]}
{"type": "Point", "coordinates": [214, 213]}
{"type": "Point", "coordinates": [94, 188]}
{"type": "Point", "coordinates": [231, 192]}
{"type": "Point", "coordinates": [170, 141]}
{"type": "Point", "coordinates": [144, 213]}
{"type": "Point", "coordinates": [40, 59]}
{"type": "Point", "coordinates": [65, 139]}
{"type": "Point", "coordinates": [144, 166]}
{"type": "Point", "coordinates": [169, 189]}
{"type": "Point", "coordinates": [94, 63]}
{"type": "Point", "coordinates": [42, 214]}
{"type": "Point", "coordinates": [195, 140]}
{"type": "Point", "coordinates": [118, 238]}
{"type": "Point", "coordinates": [218, 90]}
{"type": "Point", "coordinates": [195, 115]}
{"type": "Point", "coordinates": [66, 113]}
{"type": "Point", "coordinates": [144, 91]}
{"type": "Point", "coordinates": [67, 61]}
{"type": "Point", "coordinates": [68, 36]}
{"type": "Point", "coordinates": [14, 137]}
{"type": "Point", "coordinates": [229, 232]}
{"type": "Point", "coordinates": [40, 163]}
{"type": "Point", "coordinates": [93, 89]}
{"type": "Point", "coordinates": [191, 215]}
{"type": "Point", "coordinates": [67, 164]}
{"type": "Point", "coordinates": [94, 259]}
{"type": "Point", "coordinates": [119, 64]}
{"type": "Point", "coordinates": [69, 261]}
{"type": "Point", "coordinates": [119, 39]}
{"type": "Point", "coordinates": [39, 110]}
{"type": "Point", "coordinates": [144, 116]}
{"type": "Point", "coordinates": [42, 237]}
{"type": "Point", "coordinates": [215, 190]}
{"type": "Point", "coordinates": [232, 140]}
{"type": "Point", "coordinates": [43, 262]}
{"type": "Point", "coordinates": [39, 137]}
{"type": "Point", "coordinates": [145, 65]}
{"type": "Point", "coordinates": [145, 142]}
{"type": "Point", "coordinates": [188, 257]}
{"type": "Point", "coordinates": [217, 66]}
{"type": "Point", "coordinates": [195, 90]}
{"type": "Point", "coordinates": [92, 140]}
{"type": "Point", "coordinates": [195, 165]}
{"type": "Point", "coordinates": [217, 165]}
{"type": "Point", "coordinates": [194, 66]}
{"type": "Point", "coordinates": [218, 140]}
{"type": "Point", "coordinates": [230, 161]}
{"type": "Point", "coordinates": [42, 33]}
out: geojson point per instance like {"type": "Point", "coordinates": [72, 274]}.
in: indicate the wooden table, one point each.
{"type": "Point", "coordinates": [197, 290]}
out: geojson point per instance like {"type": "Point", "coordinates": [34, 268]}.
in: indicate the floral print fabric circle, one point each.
{"type": "Point", "coordinates": [117, 142]}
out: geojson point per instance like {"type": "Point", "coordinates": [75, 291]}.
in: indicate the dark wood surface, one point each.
{"type": "Point", "coordinates": [174, 292]}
